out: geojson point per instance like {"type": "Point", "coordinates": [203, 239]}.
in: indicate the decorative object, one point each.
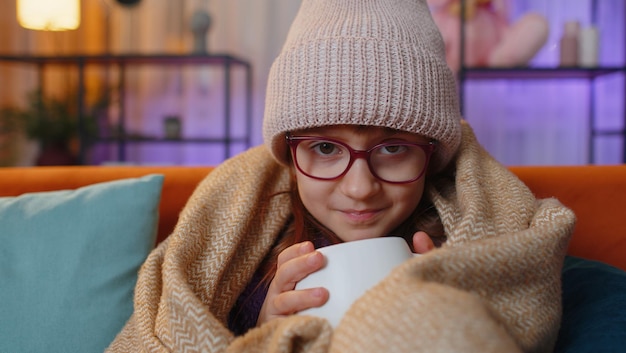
{"type": "Point", "coordinates": [172, 127]}
{"type": "Point", "coordinates": [568, 44]}
{"type": "Point", "coordinates": [491, 39]}
{"type": "Point", "coordinates": [200, 24]}
{"type": "Point", "coordinates": [588, 46]}
{"type": "Point", "coordinates": [47, 15]}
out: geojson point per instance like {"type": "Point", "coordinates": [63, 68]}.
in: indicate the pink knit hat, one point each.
{"type": "Point", "coordinates": [363, 62]}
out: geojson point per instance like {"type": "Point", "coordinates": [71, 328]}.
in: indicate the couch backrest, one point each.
{"type": "Point", "coordinates": [178, 185]}
{"type": "Point", "coordinates": [597, 194]}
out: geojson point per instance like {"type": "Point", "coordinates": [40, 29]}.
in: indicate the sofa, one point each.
{"type": "Point", "coordinates": [597, 194]}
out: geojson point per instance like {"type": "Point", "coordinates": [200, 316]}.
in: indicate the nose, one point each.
{"type": "Point", "coordinates": [359, 182]}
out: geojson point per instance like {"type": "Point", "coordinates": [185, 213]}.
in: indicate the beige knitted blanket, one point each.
{"type": "Point", "coordinates": [493, 287]}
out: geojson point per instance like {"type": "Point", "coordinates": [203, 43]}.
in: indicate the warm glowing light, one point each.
{"type": "Point", "coordinates": [49, 15]}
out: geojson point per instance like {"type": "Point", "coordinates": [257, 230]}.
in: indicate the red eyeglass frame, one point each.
{"type": "Point", "coordinates": [294, 141]}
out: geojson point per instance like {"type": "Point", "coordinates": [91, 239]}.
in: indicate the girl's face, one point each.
{"type": "Point", "coordinates": [358, 205]}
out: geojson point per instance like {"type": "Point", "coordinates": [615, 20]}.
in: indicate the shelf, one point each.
{"type": "Point", "coordinates": [534, 73]}
{"type": "Point", "coordinates": [171, 140]}
{"type": "Point", "coordinates": [224, 61]}
{"type": "Point", "coordinates": [135, 59]}
{"type": "Point", "coordinates": [619, 133]}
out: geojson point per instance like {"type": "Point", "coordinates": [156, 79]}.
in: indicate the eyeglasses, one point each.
{"type": "Point", "coordinates": [394, 162]}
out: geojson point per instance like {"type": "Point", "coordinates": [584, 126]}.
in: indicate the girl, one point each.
{"type": "Point", "coordinates": [363, 139]}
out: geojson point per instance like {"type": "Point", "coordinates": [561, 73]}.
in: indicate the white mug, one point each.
{"type": "Point", "coordinates": [351, 269]}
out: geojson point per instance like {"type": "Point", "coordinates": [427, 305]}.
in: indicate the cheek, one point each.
{"type": "Point", "coordinates": [313, 193]}
{"type": "Point", "coordinates": [409, 197]}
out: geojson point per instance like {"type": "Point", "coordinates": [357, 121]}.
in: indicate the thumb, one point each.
{"type": "Point", "coordinates": [422, 243]}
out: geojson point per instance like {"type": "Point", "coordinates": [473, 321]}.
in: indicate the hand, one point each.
{"type": "Point", "coordinates": [422, 243]}
{"type": "Point", "coordinates": [294, 263]}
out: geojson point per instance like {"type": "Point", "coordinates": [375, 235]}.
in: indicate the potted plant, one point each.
{"type": "Point", "coordinates": [9, 133]}
{"type": "Point", "coordinates": [54, 123]}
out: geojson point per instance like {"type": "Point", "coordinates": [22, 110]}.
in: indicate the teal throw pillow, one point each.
{"type": "Point", "coordinates": [594, 308]}
{"type": "Point", "coordinates": [69, 261]}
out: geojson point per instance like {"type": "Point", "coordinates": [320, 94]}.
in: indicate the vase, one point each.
{"type": "Point", "coordinates": [55, 154]}
{"type": "Point", "coordinates": [200, 24]}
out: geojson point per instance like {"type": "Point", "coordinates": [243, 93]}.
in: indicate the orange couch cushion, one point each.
{"type": "Point", "coordinates": [597, 195]}
{"type": "Point", "coordinates": [178, 185]}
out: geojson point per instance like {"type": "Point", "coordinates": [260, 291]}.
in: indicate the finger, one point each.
{"type": "Point", "coordinates": [422, 243]}
{"type": "Point", "coordinates": [294, 251]}
{"type": "Point", "coordinates": [294, 301]}
{"type": "Point", "coordinates": [294, 270]}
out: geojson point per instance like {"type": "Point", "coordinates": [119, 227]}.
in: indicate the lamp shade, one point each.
{"type": "Point", "coordinates": [49, 15]}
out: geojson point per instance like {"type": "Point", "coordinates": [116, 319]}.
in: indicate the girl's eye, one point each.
{"type": "Point", "coordinates": [325, 148]}
{"type": "Point", "coordinates": [392, 149]}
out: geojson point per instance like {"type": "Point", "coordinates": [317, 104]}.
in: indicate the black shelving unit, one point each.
{"type": "Point", "coordinates": [548, 73]}
{"type": "Point", "coordinates": [226, 62]}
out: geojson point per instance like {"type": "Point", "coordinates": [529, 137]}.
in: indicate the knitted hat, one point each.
{"type": "Point", "coordinates": [363, 62]}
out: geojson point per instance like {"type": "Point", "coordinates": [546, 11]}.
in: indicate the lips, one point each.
{"type": "Point", "coordinates": [360, 216]}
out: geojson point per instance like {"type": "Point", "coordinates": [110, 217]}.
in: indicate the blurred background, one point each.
{"type": "Point", "coordinates": [182, 82]}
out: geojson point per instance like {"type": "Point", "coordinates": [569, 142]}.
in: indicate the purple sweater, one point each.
{"type": "Point", "coordinates": [245, 313]}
